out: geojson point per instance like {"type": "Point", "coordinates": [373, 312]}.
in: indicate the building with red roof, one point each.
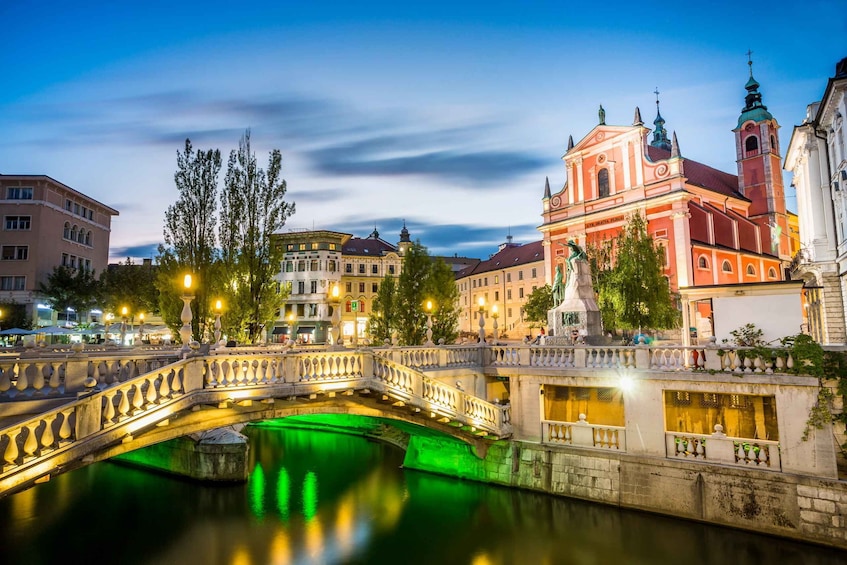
{"type": "Point", "coordinates": [716, 228]}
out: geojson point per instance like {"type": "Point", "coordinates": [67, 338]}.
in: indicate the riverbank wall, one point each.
{"type": "Point", "coordinates": [791, 506]}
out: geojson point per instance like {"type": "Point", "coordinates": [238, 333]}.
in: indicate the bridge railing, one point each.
{"type": "Point", "coordinates": [44, 377]}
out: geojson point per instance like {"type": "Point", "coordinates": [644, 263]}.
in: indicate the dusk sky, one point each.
{"type": "Point", "coordinates": [447, 115]}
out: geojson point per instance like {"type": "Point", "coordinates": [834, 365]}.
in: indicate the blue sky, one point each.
{"type": "Point", "coordinates": [446, 115]}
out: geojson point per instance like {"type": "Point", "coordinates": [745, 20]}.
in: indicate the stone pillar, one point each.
{"type": "Point", "coordinates": [76, 371]}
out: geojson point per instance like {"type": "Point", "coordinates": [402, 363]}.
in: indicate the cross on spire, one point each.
{"type": "Point", "coordinates": [750, 61]}
{"type": "Point", "coordinates": [656, 92]}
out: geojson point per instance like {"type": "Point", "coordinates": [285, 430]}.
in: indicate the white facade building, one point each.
{"type": "Point", "coordinates": [817, 158]}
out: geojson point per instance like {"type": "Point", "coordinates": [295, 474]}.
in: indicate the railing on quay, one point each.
{"type": "Point", "coordinates": [643, 358]}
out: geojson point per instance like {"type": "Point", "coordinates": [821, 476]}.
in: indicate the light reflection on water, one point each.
{"type": "Point", "coordinates": [323, 498]}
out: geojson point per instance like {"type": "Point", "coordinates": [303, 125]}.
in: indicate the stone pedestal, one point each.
{"type": "Point", "coordinates": [577, 318]}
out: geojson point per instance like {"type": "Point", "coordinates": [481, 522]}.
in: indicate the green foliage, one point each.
{"type": "Point", "coordinates": [537, 304]}
{"type": "Point", "coordinates": [71, 288]}
{"type": "Point", "coordinates": [13, 315]}
{"type": "Point", "coordinates": [747, 335]}
{"type": "Point", "coordinates": [381, 321]}
{"type": "Point", "coordinates": [627, 273]}
{"type": "Point", "coordinates": [410, 316]}
{"type": "Point", "coordinates": [440, 287]}
{"type": "Point", "coordinates": [190, 238]}
{"type": "Point", "coordinates": [130, 285]}
{"type": "Point", "coordinates": [253, 208]}
{"type": "Point", "coordinates": [400, 307]}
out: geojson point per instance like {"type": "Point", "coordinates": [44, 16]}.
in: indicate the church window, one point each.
{"type": "Point", "coordinates": [726, 266]}
{"type": "Point", "coordinates": [603, 183]}
{"type": "Point", "coordinates": [771, 273]}
{"type": "Point", "coordinates": [751, 145]}
{"type": "Point", "coordinates": [751, 271]}
{"type": "Point", "coordinates": [773, 145]}
{"type": "Point", "coordinates": [702, 262]}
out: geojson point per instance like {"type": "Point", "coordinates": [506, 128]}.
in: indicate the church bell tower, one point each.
{"type": "Point", "coordinates": [760, 167]}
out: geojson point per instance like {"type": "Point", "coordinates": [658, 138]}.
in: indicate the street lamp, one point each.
{"type": "Point", "coordinates": [335, 324]}
{"type": "Point", "coordinates": [187, 297]}
{"type": "Point", "coordinates": [429, 323]}
{"type": "Point", "coordinates": [141, 327]}
{"type": "Point", "coordinates": [481, 303]}
{"type": "Point", "coordinates": [124, 312]}
{"type": "Point", "coordinates": [218, 308]}
{"type": "Point", "coordinates": [495, 314]}
{"type": "Point", "coordinates": [292, 327]}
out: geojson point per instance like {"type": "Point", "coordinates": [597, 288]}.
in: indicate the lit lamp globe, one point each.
{"type": "Point", "coordinates": [186, 317]}
{"type": "Point", "coordinates": [428, 308]}
{"type": "Point", "coordinates": [218, 310]}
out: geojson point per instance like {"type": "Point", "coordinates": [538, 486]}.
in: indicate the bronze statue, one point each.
{"type": "Point", "coordinates": [602, 115]}
{"type": "Point", "coordinates": [577, 254]}
{"type": "Point", "coordinates": [558, 287]}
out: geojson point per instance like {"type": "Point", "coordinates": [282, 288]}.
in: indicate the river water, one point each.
{"type": "Point", "coordinates": [317, 497]}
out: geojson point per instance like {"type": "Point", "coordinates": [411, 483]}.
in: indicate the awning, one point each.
{"type": "Point", "coordinates": [305, 329]}
{"type": "Point", "coordinates": [280, 331]}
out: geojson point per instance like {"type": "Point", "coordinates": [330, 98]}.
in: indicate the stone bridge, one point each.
{"type": "Point", "coordinates": [133, 401]}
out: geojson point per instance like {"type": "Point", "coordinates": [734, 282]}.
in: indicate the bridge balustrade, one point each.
{"type": "Point", "coordinates": [39, 445]}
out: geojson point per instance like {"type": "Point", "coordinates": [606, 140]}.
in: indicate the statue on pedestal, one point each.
{"type": "Point", "coordinates": [559, 286]}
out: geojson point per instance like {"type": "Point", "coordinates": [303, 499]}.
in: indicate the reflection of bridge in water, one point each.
{"type": "Point", "coordinates": [609, 424]}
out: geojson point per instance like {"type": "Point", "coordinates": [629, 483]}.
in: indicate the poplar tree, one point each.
{"type": "Point", "coordinates": [189, 235]}
{"type": "Point", "coordinates": [253, 208]}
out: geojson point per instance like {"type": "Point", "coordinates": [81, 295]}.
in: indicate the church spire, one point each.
{"type": "Point", "coordinates": [660, 134]}
{"type": "Point", "coordinates": [753, 107]}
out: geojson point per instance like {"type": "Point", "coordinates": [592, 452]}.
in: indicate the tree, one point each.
{"type": "Point", "coordinates": [67, 288]}
{"type": "Point", "coordinates": [401, 306]}
{"type": "Point", "coordinates": [190, 237]}
{"type": "Point", "coordinates": [381, 322]}
{"type": "Point", "coordinates": [130, 285]}
{"type": "Point", "coordinates": [13, 315]}
{"type": "Point", "coordinates": [537, 304]}
{"type": "Point", "coordinates": [253, 208]}
{"type": "Point", "coordinates": [628, 276]}
{"type": "Point", "coordinates": [409, 303]}
{"type": "Point", "coordinates": [441, 288]}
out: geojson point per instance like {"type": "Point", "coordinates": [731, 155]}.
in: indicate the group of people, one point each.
{"type": "Point", "coordinates": [539, 339]}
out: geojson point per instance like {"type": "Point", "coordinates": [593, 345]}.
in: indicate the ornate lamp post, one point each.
{"type": "Point", "coordinates": [481, 320]}
{"type": "Point", "coordinates": [186, 317]}
{"type": "Point", "coordinates": [141, 327]}
{"type": "Point", "coordinates": [292, 327]}
{"type": "Point", "coordinates": [335, 324]}
{"type": "Point", "coordinates": [218, 308]}
{"type": "Point", "coordinates": [428, 309]}
{"type": "Point", "coordinates": [495, 314]}
{"type": "Point", "coordinates": [124, 314]}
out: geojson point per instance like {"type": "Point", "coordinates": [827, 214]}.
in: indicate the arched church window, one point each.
{"type": "Point", "coordinates": [771, 273]}
{"type": "Point", "coordinates": [773, 145]}
{"type": "Point", "coordinates": [751, 270]}
{"type": "Point", "coordinates": [702, 262]}
{"type": "Point", "coordinates": [603, 183]}
{"type": "Point", "coordinates": [726, 266]}
{"type": "Point", "coordinates": [751, 145]}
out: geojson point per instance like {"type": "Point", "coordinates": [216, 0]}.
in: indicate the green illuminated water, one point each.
{"type": "Point", "coordinates": [317, 497]}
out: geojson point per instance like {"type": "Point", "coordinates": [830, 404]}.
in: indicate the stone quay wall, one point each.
{"type": "Point", "coordinates": [786, 505]}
